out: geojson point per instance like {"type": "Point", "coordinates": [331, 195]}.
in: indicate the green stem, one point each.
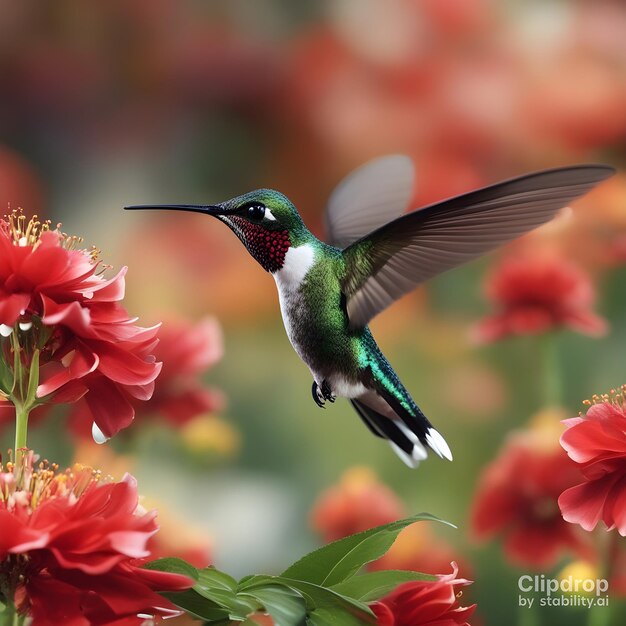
{"type": "Point", "coordinates": [21, 428]}
{"type": "Point", "coordinates": [9, 617]}
{"type": "Point", "coordinates": [25, 404]}
{"type": "Point", "coordinates": [552, 383]}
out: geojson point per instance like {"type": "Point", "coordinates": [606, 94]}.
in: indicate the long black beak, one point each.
{"type": "Point", "coordinates": [207, 209]}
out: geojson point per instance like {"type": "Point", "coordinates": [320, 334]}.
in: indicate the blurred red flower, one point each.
{"type": "Point", "coordinates": [517, 498]}
{"type": "Point", "coordinates": [19, 184]}
{"type": "Point", "coordinates": [54, 297]}
{"type": "Point", "coordinates": [538, 294]}
{"type": "Point", "coordinates": [597, 444]}
{"type": "Point", "coordinates": [357, 503]}
{"type": "Point", "coordinates": [72, 547]}
{"type": "Point", "coordinates": [416, 549]}
{"type": "Point", "coordinates": [186, 351]}
{"type": "Point", "coordinates": [425, 603]}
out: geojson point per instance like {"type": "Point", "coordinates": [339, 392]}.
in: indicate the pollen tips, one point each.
{"type": "Point", "coordinates": [438, 444]}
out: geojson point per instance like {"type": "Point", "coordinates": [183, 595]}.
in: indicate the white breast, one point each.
{"type": "Point", "coordinates": [298, 262]}
{"type": "Point", "coordinates": [289, 279]}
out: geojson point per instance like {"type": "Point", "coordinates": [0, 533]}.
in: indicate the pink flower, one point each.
{"type": "Point", "coordinates": [73, 546]}
{"type": "Point", "coordinates": [517, 499]}
{"type": "Point", "coordinates": [597, 444]}
{"type": "Point", "coordinates": [539, 294]}
{"type": "Point", "coordinates": [53, 295]}
{"type": "Point", "coordinates": [425, 603]}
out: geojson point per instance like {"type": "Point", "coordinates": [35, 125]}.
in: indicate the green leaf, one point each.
{"type": "Point", "coordinates": [286, 607]}
{"type": "Point", "coordinates": [33, 379]}
{"type": "Point", "coordinates": [173, 565]}
{"type": "Point", "coordinates": [330, 617]}
{"type": "Point", "coordinates": [211, 577]}
{"type": "Point", "coordinates": [317, 598]}
{"type": "Point", "coordinates": [6, 373]}
{"type": "Point", "coordinates": [337, 561]}
{"type": "Point", "coordinates": [222, 589]}
{"type": "Point", "coordinates": [374, 585]}
{"type": "Point", "coordinates": [197, 606]}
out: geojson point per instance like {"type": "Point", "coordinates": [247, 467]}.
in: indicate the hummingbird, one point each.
{"type": "Point", "coordinates": [374, 254]}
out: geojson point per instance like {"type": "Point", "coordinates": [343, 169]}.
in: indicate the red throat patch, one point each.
{"type": "Point", "coordinates": [267, 247]}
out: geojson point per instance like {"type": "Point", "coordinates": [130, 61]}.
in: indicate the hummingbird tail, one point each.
{"type": "Point", "coordinates": [404, 442]}
{"type": "Point", "coordinates": [418, 424]}
{"type": "Point", "coordinates": [407, 429]}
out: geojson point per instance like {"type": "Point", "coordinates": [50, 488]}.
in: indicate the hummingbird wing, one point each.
{"type": "Point", "coordinates": [369, 197]}
{"type": "Point", "coordinates": [391, 261]}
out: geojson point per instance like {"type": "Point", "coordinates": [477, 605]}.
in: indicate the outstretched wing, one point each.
{"type": "Point", "coordinates": [391, 261]}
{"type": "Point", "coordinates": [369, 197]}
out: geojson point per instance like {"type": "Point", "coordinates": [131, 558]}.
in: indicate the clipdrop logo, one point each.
{"type": "Point", "coordinates": [539, 590]}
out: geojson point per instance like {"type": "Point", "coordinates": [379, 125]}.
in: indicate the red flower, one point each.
{"type": "Point", "coordinates": [72, 547]}
{"type": "Point", "coordinates": [357, 503]}
{"type": "Point", "coordinates": [538, 294]}
{"type": "Point", "coordinates": [425, 603]}
{"type": "Point", "coordinates": [597, 444]}
{"type": "Point", "coordinates": [55, 298]}
{"type": "Point", "coordinates": [517, 498]}
{"type": "Point", "coordinates": [186, 351]}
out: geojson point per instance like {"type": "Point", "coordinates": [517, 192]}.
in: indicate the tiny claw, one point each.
{"type": "Point", "coordinates": [317, 395]}
{"type": "Point", "coordinates": [327, 392]}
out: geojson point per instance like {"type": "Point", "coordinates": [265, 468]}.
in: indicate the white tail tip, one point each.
{"type": "Point", "coordinates": [407, 459]}
{"type": "Point", "coordinates": [438, 444]}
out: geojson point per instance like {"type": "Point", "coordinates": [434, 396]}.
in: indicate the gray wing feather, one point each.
{"type": "Point", "coordinates": [393, 260]}
{"type": "Point", "coordinates": [369, 197]}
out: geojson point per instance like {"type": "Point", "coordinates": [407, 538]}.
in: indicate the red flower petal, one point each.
{"type": "Point", "coordinates": [124, 367]}
{"type": "Point", "coordinates": [110, 408]}
{"type": "Point", "coordinates": [11, 306]}
{"type": "Point", "coordinates": [584, 503]}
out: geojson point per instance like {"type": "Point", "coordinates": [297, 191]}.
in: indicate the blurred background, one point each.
{"type": "Point", "coordinates": [106, 104]}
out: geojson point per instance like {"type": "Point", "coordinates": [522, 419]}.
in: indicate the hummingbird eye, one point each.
{"type": "Point", "coordinates": [255, 212]}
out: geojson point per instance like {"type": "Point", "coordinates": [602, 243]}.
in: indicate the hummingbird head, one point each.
{"type": "Point", "coordinates": [264, 220]}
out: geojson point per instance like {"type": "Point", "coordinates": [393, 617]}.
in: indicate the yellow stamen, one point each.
{"type": "Point", "coordinates": [615, 397]}
{"type": "Point", "coordinates": [33, 484]}
{"type": "Point", "coordinates": [28, 233]}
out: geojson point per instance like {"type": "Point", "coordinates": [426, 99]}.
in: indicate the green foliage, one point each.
{"type": "Point", "coordinates": [323, 588]}
{"type": "Point", "coordinates": [174, 565]}
{"type": "Point", "coordinates": [374, 585]}
{"type": "Point", "coordinates": [337, 561]}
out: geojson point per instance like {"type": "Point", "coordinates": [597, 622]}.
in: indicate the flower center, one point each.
{"type": "Point", "coordinates": [27, 483]}
{"type": "Point", "coordinates": [545, 509]}
{"type": "Point", "coordinates": [615, 397]}
{"type": "Point", "coordinates": [23, 233]}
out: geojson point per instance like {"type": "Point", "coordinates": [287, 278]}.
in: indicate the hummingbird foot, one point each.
{"type": "Point", "coordinates": [318, 396]}
{"type": "Point", "coordinates": [327, 392]}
